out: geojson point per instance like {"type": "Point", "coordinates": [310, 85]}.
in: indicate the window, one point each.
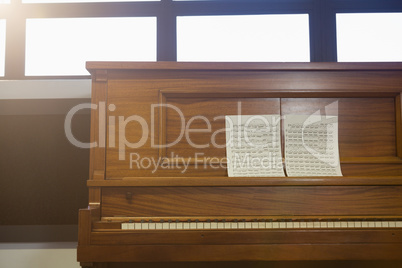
{"type": "Point", "coordinates": [53, 38]}
{"type": "Point", "coordinates": [62, 46]}
{"type": "Point", "coordinates": [369, 37]}
{"type": "Point", "coordinates": [243, 38]}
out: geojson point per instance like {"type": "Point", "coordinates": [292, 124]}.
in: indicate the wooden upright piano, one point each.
{"type": "Point", "coordinates": [159, 189]}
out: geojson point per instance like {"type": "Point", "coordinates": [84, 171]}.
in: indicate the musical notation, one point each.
{"type": "Point", "coordinates": [253, 146]}
{"type": "Point", "coordinates": [311, 145]}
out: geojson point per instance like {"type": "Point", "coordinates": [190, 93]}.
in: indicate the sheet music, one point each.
{"type": "Point", "coordinates": [253, 146]}
{"type": "Point", "coordinates": [311, 145]}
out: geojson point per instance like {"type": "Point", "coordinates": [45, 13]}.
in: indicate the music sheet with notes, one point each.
{"type": "Point", "coordinates": [311, 145]}
{"type": "Point", "coordinates": [253, 146]}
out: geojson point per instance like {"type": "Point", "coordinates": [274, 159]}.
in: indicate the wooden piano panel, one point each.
{"type": "Point", "coordinates": [371, 169]}
{"type": "Point", "coordinates": [243, 201]}
{"type": "Point", "coordinates": [366, 125]}
{"type": "Point", "coordinates": [130, 97]}
{"type": "Point", "coordinates": [229, 237]}
{"type": "Point", "coordinates": [213, 111]}
{"type": "Point", "coordinates": [367, 113]}
{"type": "Point", "coordinates": [367, 129]}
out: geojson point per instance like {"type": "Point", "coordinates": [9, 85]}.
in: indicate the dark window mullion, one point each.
{"type": "Point", "coordinates": [323, 32]}
{"type": "Point", "coordinates": [166, 32]}
{"type": "Point", "coordinates": [366, 6]}
{"type": "Point", "coordinates": [241, 8]}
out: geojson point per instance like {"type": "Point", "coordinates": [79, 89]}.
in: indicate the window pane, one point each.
{"type": "Point", "coordinates": [82, 1]}
{"type": "Point", "coordinates": [2, 46]}
{"type": "Point", "coordinates": [243, 38]}
{"type": "Point", "coordinates": [62, 46]}
{"type": "Point", "coordinates": [369, 37]}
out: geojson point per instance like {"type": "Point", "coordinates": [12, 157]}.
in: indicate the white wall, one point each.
{"type": "Point", "coordinates": [45, 89]}
{"type": "Point", "coordinates": [38, 255]}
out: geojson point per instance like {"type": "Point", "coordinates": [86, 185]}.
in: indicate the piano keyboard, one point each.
{"type": "Point", "coordinates": [257, 224]}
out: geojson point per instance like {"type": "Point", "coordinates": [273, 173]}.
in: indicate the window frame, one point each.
{"type": "Point", "coordinates": [322, 22]}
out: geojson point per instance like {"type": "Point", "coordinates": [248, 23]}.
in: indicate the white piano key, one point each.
{"type": "Point", "coordinates": [214, 225]}
{"type": "Point", "coordinates": [200, 225]}
{"type": "Point", "coordinates": [330, 224]}
{"type": "Point", "coordinates": [207, 225]}
{"type": "Point", "coordinates": [358, 224]}
{"type": "Point", "coordinates": [371, 224]}
{"type": "Point", "coordinates": [275, 225]}
{"type": "Point", "coordinates": [316, 224]}
{"type": "Point", "coordinates": [391, 224]}
{"type": "Point", "coordinates": [303, 224]}
{"type": "Point", "coordinates": [365, 224]}
{"type": "Point", "coordinates": [186, 225]}
{"type": "Point", "coordinates": [323, 224]}
{"type": "Point", "coordinates": [165, 226]}
{"type": "Point", "coordinates": [384, 224]}
{"type": "Point", "coordinates": [172, 226]}
{"type": "Point", "coordinates": [234, 225]}
{"type": "Point", "coordinates": [289, 225]}
{"type": "Point", "coordinates": [152, 226]}
{"type": "Point", "coordinates": [261, 225]}
{"type": "Point", "coordinates": [268, 225]}
{"type": "Point", "coordinates": [296, 224]}
{"type": "Point", "coordinates": [144, 225]}
{"type": "Point", "coordinates": [344, 224]}
{"type": "Point", "coordinates": [241, 225]}
{"type": "Point", "coordinates": [124, 226]}
{"type": "Point", "coordinates": [221, 225]}
{"type": "Point", "coordinates": [158, 226]}
{"type": "Point", "coordinates": [337, 224]}
{"type": "Point", "coordinates": [398, 224]}
{"type": "Point", "coordinates": [179, 225]}
{"type": "Point", "coordinates": [282, 225]}
{"type": "Point", "coordinates": [378, 224]}
{"type": "Point", "coordinates": [227, 225]}
{"type": "Point", "coordinates": [254, 225]}
{"type": "Point", "coordinates": [137, 226]}
{"type": "Point", "coordinates": [351, 224]}
{"type": "Point", "coordinates": [310, 224]}
{"type": "Point", "coordinates": [193, 225]}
